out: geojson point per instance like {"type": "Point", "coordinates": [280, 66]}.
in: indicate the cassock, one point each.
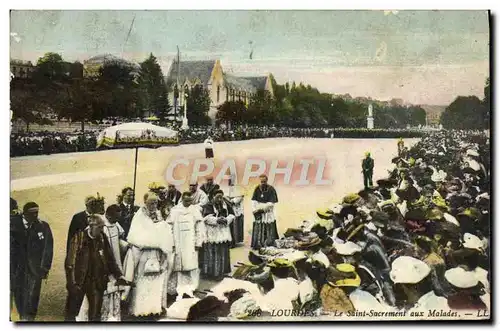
{"type": "Point", "coordinates": [174, 196]}
{"type": "Point", "coordinates": [264, 231]}
{"type": "Point", "coordinates": [214, 255]}
{"type": "Point", "coordinates": [31, 249]}
{"type": "Point", "coordinates": [209, 189]}
{"type": "Point", "coordinates": [189, 236]}
{"type": "Point", "coordinates": [209, 148]}
{"type": "Point", "coordinates": [126, 215]}
{"type": "Point", "coordinates": [236, 199]}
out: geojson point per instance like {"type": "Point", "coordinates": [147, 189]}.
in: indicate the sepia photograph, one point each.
{"type": "Point", "coordinates": [250, 165]}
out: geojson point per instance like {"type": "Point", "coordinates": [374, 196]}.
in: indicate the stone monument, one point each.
{"type": "Point", "coordinates": [369, 118]}
{"type": "Point", "coordinates": [185, 125]}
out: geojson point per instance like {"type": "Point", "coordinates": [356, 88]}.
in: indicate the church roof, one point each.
{"type": "Point", "coordinates": [191, 70]}
{"type": "Point", "coordinates": [249, 84]}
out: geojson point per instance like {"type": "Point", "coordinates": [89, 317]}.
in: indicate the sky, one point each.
{"type": "Point", "coordinates": [422, 57]}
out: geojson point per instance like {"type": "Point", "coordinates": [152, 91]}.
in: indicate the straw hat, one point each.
{"type": "Point", "coordinates": [460, 278]}
{"type": "Point", "coordinates": [408, 270]}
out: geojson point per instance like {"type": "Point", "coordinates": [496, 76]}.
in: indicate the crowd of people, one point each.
{"type": "Point", "coordinates": [417, 240]}
{"type": "Point", "coordinates": [37, 143]}
{"type": "Point", "coordinates": [125, 261]}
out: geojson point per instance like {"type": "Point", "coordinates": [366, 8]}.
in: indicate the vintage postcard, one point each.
{"type": "Point", "coordinates": [250, 165]}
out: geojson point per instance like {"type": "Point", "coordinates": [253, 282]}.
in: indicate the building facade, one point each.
{"type": "Point", "coordinates": [209, 75]}
{"type": "Point", "coordinates": [92, 66]}
{"type": "Point", "coordinates": [21, 69]}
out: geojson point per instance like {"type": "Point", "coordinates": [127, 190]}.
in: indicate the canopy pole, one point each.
{"type": "Point", "coordinates": [135, 177]}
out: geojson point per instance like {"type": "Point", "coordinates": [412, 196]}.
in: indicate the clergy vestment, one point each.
{"type": "Point", "coordinates": [189, 235]}
{"type": "Point", "coordinates": [214, 255]}
{"type": "Point", "coordinates": [209, 189]}
{"type": "Point", "coordinates": [237, 226]}
{"type": "Point", "coordinates": [264, 231]}
{"type": "Point", "coordinates": [126, 215]}
{"type": "Point", "coordinates": [148, 262]}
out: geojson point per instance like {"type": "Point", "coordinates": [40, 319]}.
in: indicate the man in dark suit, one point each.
{"type": "Point", "coordinates": [367, 170]}
{"type": "Point", "coordinates": [209, 188]}
{"type": "Point", "coordinates": [89, 264]}
{"type": "Point", "coordinates": [31, 254]}
{"type": "Point", "coordinates": [173, 194]}
{"type": "Point", "coordinates": [93, 205]}
{"type": "Point", "coordinates": [126, 210]}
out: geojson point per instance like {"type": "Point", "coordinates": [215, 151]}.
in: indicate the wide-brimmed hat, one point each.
{"type": "Point", "coordinates": [348, 248]}
{"type": "Point", "coordinates": [308, 244]}
{"type": "Point", "coordinates": [325, 213]}
{"type": "Point", "coordinates": [408, 270]}
{"type": "Point", "coordinates": [460, 278]}
{"type": "Point", "coordinates": [473, 242]}
{"type": "Point", "coordinates": [470, 213]}
{"type": "Point", "coordinates": [434, 214]}
{"type": "Point", "coordinates": [351, 198]}
{"type": "Point", "coordinates": [343, 275]}
{"type": "Point", "coordinates": [154, 186]}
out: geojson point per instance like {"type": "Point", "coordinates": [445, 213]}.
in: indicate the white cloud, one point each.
{"type": "Point", "coordinates": [16, 37]}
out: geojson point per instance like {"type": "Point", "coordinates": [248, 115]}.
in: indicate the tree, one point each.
{"type": "Point", "coordinates": [260, 109]}
{"type": "Point", "coordinates": [25, 103]}
{"type": "Point", "coordinates": [154, 94]}
{"type": "Point", "coordinates": [198, 105]}
{"type": "Point", "coordinates": [464, 113]}
{"type": "Point", "coordinates": [50, 67]}
{"type": "Point", "coordinates": [82, 100]}
{"type": "Point", "coordinates": [486, 103]}
{"type": "Point", "coordinates": [117, 82]}
{"type": "Point", "coordinates": [417, 116]}
{"type": "Point", "coordinates": [231, 112]}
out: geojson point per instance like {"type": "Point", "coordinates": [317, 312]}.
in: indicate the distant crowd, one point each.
{"type": "Point", "coordinates": [46, 142]}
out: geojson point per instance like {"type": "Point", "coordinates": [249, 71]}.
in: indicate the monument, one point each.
{"type": "Point", "coordinates": [369, 118]}
{"type": "Point", "coordinates": [185, 125]}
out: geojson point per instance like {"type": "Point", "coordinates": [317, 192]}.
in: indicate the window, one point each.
{"type": "Point", "coordinates": [232, 94]}
{"type": "Point", "coordinates": [227, 93]}
{"type": "Point", "coordinates": [218, 93]}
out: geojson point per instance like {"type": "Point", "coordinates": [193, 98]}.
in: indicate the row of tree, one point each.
{"type": "Point", "coordinates": [304, 106]}
{"type": "Point", "coordinates": [119, 89]}
{"type": "Point", "coordinates": [468, 112]}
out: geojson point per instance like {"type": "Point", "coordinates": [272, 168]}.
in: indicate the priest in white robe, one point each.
{"type": "Point", "coordinates": [189, 235]}
{"type": "Point", "coordinates": [148, 259]}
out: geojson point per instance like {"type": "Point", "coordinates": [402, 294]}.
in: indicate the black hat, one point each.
{"type": "Point", "coordinates": [13, 204]}
{"type": "Point", "coordinates": [30, 205]}
{"type": "Point", "coordinates": [379, 218]}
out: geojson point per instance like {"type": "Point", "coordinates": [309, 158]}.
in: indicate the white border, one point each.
{"type": "Point", "coordinates": [190, 4]}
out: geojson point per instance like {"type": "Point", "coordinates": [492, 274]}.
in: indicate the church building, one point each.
{"type": "Point", "coordinates": [209, 75]}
